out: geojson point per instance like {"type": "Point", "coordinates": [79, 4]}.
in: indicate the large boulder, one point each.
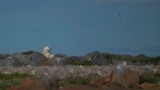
{"type": "Point", "coordinates": [25, 58]}
{"type": "Point", "coordinates": [149, 86]}
{"type": "Point", "coordinates": [126, 77]}
{"type": "Point", "coordinates": [120, 77]}
{"type": "Point", "coordinates": [49, 82]}
{"type": "Point", "coordinates": [8, 61]}
{"type": "Point", "coordinates": [97, 58]}
{"type": "Point", "coordinates": [59, 59]}
{"type": "Point", "coordinates": [34, 58]}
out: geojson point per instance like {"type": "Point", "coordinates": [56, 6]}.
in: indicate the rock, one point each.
{"type": "Point", "coordinates": [31, 59]}
{"type": "Point", "coordinates": [79, 71]}
{"type": "Point", "coordinates": [100, 81]}
{"type": "Point", "coordinates": [121, 77]}
{"type": "Point", "coordinates": [158, 83]}
{"type": "Point", "coordinates": [20, 59]}
{"type": "Point", "coordinates": [97, 58]}
{"type": "Point", "coordinates": [8, 62]}
{"type": "Point", "coordinates": [59, 59]}
{"type": "Point", "coordinates": [126, 77]}
{"type": "Point", "coordinates": [60, 55]}
{"type": "Point", "coordinates": [148, 86]}
{"type": "Point", "coordinates": [132, 79]}
{"type": "Point", "coordinates": [92, 75]}
{"type": "Point", "coordinates": [50, 82]}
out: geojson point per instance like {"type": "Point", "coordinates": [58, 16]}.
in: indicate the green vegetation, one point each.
{"type": "Point", "coordinates": [28, 52]}
{"type": "Point", "coordinates": [139, 59]}
{"type": "Point", "coordinates": [8, 80]}
{"type": "Point", "coordinates": [74, 81]}
{"type": "Point", "coordinates": [113, 57]}
{"type": "Point", "coordinates": [150, 78]}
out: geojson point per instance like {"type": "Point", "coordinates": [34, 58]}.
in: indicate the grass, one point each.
{"type": "Point", "coordinates": [8, 80]}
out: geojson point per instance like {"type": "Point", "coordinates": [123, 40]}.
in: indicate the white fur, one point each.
{"type": "Point", "coordinates": [47, 52]}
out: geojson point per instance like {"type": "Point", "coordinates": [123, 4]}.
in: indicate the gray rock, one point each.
{"type": "Point", "coordinates": [97, 58]}
{"type": "Point", "coordinates": [7, 62]}
{"type": "Point", "coordinates": [20, 59]}
{"type": "Point", "coordinates": [59, 59]}
{"type": "Point", "coordinates": [92, 75]}
{"type": "Point", "coordinates": [50, 82]}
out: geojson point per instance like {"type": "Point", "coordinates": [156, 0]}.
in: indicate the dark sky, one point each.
{"type": "Point", "coordinates": [76, 27]}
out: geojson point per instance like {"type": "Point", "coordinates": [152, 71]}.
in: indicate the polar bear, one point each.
{"type": "Point", "coordinates": [47, 52]}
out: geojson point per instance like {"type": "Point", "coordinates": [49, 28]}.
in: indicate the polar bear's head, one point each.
{"type": "Point", "coordinates": [46, 49]}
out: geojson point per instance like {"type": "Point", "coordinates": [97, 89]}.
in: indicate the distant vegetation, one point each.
{"type": "Point", "coordinates": [140, 59]}
{"type": "Point", "coordinates": [28, 52]}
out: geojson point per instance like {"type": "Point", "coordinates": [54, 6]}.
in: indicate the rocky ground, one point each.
{"type": "Point", "coordinates": [104, 71]}
{"type": "Point", "coordinates": [123, 76]}
{"type": "Point", "coordinates": [67, 71]}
